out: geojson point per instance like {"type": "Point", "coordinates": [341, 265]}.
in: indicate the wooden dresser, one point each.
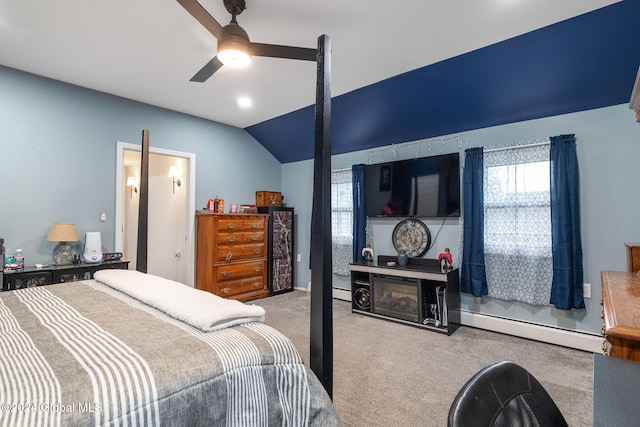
{"type": "Point", "coordinates": [621, 314]}
{"type": "Point", "coordinates": [231, 255]}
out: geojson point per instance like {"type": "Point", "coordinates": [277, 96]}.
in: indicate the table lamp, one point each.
{"type": "Point", "coordinates": [62, 232]}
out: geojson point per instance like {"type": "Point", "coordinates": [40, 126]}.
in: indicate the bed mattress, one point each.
{"type": "Point", "coordinates": [83, 353]}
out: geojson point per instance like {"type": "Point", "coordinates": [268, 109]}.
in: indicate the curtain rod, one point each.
{"type": "Point", "coordinates": [341, 170]}
{"type": "Point", "coordinates": [532, 143]}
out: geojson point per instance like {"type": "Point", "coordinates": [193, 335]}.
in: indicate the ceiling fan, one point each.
{"type": "Point", "coordinates": [234, 46]}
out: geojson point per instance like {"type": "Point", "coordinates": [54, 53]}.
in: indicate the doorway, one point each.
{"type": "Point", "coordinates": [171, 210]}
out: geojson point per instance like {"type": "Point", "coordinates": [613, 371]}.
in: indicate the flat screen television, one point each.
{"type": "Point", "coordinates": [426, 187]}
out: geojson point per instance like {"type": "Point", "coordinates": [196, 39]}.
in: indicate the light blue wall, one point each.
{"type": "Point", "coordinates": [608, 141]}
{"type": "Point", "coordinates": [58, 158]}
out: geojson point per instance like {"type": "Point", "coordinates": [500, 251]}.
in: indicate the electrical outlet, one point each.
{"type": "Point", "coordinates": [103, 217]}
{"type": "Point", "coordinates": [586, 290]}
{"type": "Point", "coordinates": [299, 258]}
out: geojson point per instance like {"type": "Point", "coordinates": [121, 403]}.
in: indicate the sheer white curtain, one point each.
{"type": "Point", "coordinates": [341, 220]}
{"type": "Point", "coordinates": [517, 233]}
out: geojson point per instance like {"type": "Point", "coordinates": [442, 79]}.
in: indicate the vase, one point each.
{"type": "Point", "coordinates": [403, 258]}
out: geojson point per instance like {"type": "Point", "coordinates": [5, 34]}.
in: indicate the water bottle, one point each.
{"type": "Point", "coordinates": [19, 259]}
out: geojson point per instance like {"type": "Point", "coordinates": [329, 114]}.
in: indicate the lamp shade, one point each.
{"type": "Point", "coordinates": [63, 232]}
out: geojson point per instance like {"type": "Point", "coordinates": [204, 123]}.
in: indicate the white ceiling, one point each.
{"type": "Point", "coordinates": [147, 50]}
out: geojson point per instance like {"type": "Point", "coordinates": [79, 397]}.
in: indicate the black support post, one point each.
{"type": "Point", "coordinates": [143, 207]}
{"type": "Point", "coordinates": [321, 342]}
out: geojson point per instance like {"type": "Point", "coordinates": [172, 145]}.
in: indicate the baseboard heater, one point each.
{"type": "Point", "coordinates": [563, 337]}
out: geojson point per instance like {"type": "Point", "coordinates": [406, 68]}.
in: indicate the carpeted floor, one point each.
{"type": "Point", "coordinates": [389, 374]}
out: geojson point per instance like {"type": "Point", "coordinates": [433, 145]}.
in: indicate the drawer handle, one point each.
{"type": "Point", "coordinates": [257, 269]}
{"type": "Point", "coordinates": [225, 290]}
{"type": "Point", "coordinates": [226, 273]}
{"type": "Point", "coordinates": [231, 238]}
{"type": "Point", "coordinates": [257, 285]}
{"type": "Point", "coordinates": [254, 237]}
{"type": "Point", "coordinates": [231, 225]}
{"type": "Point", "coordinates": [255, 225]}
{"type": "Point", "coordinates": [228, 256]}
{"type": "Point", "coordinates": [257, 251]}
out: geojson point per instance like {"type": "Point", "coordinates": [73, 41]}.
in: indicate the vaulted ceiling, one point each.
{"type": "Point", "coordinates": [401, 71]}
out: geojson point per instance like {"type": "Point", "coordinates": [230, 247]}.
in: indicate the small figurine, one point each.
{"type": "Point", "coordinates": [445, 260]}
{"type": "Point", "coordinates": [367, 253]}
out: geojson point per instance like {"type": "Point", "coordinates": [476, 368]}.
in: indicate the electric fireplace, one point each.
{"type": "Point", "coordinates": [396, 297]}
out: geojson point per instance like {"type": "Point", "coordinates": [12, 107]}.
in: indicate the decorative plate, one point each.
{"type": "Point", "coordinates": [412, 236]}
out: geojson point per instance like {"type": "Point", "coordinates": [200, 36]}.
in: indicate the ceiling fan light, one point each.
{"type": "Point", "coordinates": [234, 47]}
{"type": "Point", "coordinates": [234, 58]}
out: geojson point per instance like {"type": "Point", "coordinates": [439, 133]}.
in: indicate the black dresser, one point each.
{"type": "Point", "coordinates": [33, 276]}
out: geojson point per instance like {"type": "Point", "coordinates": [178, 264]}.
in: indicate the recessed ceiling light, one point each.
{"type": "Point", "coordinates": [244, 102]}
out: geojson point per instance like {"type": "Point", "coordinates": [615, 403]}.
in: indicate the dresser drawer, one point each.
{"type": "Point", "coordinates": [240, 252]}
{"type": "Point", "coordinates": [26, 280]}
{"type": "Point", "coordinates": [228, 225]}
{"type": "Point", "coordinates": [226, 272]}
{"type": "Point", "coordinates": [240, 237]}
{"type": "Point", "coordinates": [235, 287]}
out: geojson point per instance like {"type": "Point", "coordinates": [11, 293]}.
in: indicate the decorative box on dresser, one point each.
{"type": "Point", "coordinates": [231, 255]}
{"type": "Point", "coordinates": [633, 256]}
{"type": "Point", "coordinates": [621, 314]}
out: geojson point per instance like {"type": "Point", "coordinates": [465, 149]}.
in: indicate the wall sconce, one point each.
{"type": "Point", "coordinates": [174, 175]}
{"type": "Point", "coordinates": [132, 183]}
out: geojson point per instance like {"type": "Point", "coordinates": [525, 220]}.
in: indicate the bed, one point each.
{"type": "Point", "coordinates": [90, 353]}
{"type": "Point", "coordinates": [97, 352]}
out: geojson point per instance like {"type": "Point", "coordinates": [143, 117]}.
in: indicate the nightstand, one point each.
{"type": "Point", "coordinates": [32, 276]}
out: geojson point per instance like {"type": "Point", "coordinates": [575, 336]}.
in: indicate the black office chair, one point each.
{"type": "Point", "coordinates": [504, 395]}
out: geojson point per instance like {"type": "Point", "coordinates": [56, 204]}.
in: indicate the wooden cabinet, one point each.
{"type": "Point", "coordinates": [633, 257]}
{"type": "Point", "coordinates": [621, 314]}
{"type": "Point", "coordinates": [231, 255]}
{"type": "Point", "coordinates": [32, 276]}
{"type": "Point", "coordinates": [281, 237]}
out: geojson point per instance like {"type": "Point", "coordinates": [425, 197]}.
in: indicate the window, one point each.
{"type": "Point", "coordinates": [341, 220]}
{"type": "Point", "coordinates": [517, 237]}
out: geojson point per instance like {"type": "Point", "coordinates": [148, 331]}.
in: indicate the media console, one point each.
{"type": "Point", "coordinates": [418, 294]}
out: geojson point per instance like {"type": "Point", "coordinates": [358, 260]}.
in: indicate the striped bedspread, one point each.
{"type": "Point", "coordinates": [85, 354]}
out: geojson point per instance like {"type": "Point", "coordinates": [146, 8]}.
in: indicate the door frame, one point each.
{"type": "Point", "coordinates": [191, 200]}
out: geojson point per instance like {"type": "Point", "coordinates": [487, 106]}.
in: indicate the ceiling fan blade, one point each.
{"type": "Point", "coordinates": [287, 52]}
{"type": "Point", "coordinates": [203, 17]}
{"type": "Point", "coordinates": [207, 71]}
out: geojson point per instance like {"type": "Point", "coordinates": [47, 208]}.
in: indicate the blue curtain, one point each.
{"type": "Point", "coordinates": [472, 275]}
{"type": "Point", "coordinates": [566, 244]}
{"type": "Point", "coordinates": [359, 216]}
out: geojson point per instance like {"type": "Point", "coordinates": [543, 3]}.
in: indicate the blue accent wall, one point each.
{"type": "Point", "coordinates": [58, 158]}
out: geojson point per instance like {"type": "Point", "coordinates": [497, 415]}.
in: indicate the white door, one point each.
{"type": "Point", "coordinates": [171, 209]}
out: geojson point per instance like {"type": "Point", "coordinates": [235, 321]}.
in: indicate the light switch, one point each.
{"type": "Point", "coordinates": [103, 217]}
{"type": "Point", "coordinates": [299, 258]}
